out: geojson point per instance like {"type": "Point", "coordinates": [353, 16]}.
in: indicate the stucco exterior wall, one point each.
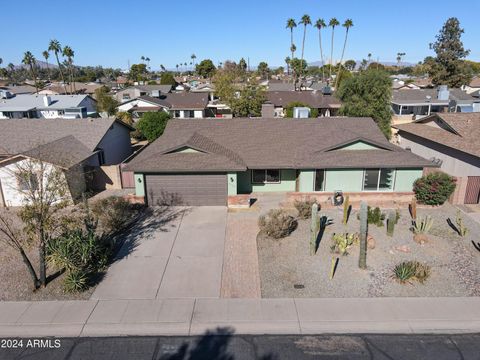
{"type": "Point", "coordinates": [455, 162]}
{"type": "Point", "coordinates": [116, 144]}
{"type": "Point", "coordinates": [8, 180]}
{"type": "Point", "coordinates": [232, 183]}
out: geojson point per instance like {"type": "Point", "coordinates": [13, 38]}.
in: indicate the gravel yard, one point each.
{"type": "Point", "coordinates": [287, 269]}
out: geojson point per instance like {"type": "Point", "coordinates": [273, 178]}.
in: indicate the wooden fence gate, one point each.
{"type": "Point", "coordinates": [128, 180]}
{"type": "Point", "coordinates": [473, 190]}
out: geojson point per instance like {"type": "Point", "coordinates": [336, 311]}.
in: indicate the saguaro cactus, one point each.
{"type": "Point", "coordinates": [346, 208]}
{"type": "Point", "coordinates": [392, 216]}
{"type": "Point", "coordinates": [314, 229]}
{"type": "Point", "coordinates": [362, 262]}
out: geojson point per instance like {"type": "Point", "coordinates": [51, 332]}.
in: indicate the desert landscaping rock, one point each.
{"type": "Point", "coordinates": [286, 263]}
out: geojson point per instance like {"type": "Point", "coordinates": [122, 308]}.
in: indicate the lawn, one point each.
{"type": "Point", "coordinates": [288, 270]}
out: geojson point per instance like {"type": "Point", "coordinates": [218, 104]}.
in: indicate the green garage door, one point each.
{"type": "Point", "coordinates": [204, 189]}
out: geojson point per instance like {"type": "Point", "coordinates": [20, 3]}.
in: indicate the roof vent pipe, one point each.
{"type": "Point", "coordinates": [47, 101]}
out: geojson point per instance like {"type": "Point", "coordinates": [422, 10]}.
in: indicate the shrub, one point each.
{"type": "Point", "coordinates": [75, 281]}
{"type": "Point", "coordinates": [374, 216]}
{"type": "Point", "coordinates": [113, 212]}
{"type": "Point", "coordinates": [152, 124]}
{"type": "Point", "coordinates": [304, 207]}
{"type": "Point", "coordinates": [434, 189]}
{"type": "Point", "coordinates": [411, 270]}
{"type": "Point", "coordinates": [277, 223]}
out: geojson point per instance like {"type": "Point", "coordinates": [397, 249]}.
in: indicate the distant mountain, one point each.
{"type": "Point", "coordinates": [386, 63]}
{"type": "Point", "coordinates": [40, 64]}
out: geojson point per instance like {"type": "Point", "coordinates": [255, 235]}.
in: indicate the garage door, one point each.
{"type": "Point", "coordinates": [190, 189]}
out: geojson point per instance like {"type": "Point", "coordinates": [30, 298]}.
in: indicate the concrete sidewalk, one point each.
{"type": "Point", "coordinates": [244, 316]}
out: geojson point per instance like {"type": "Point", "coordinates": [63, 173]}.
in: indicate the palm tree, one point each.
{"type": "Point", "coordinates": [162, 67]}
{"type": "Point", "coordinates": [290, 25]}
{"type": "Point", "coordinates": [305, 21]}
{"type": "Point", "coordinates": [142, 58]}
{"type": "Point", "coordinates": [57, 48]}
{"type": "Point", "coordinates": [400, 55]}
{"type": "Point", "coordinates": [193, 57]}
{"type": "Point", "coordinates": [369, 57]}
{"type": "Point", "coordinates": [177, 67]}
{"type": "Point", "coordinates": [147, 59]}
{"type": "Point", "coordinates": [46, 55]}
{"type": "Point", "coordinates": [287, 61]}
{"type": "Point", "coordinates": [69, 54]}
{"type": "Point", "coordinates": [347, 25]}
{"type": "Point", "coordinates": [320, 24]}
{"type": "Point", "coordinates": [333, 23]}
{"type": "Point", "coordinates": [29, 59]}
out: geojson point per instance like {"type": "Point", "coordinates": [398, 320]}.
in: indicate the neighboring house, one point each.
{"type": "Point", "coordinates": [473, 87]}
{"type": "Point", "coordinates": [77, 88]}
{"type": "Point", "coordinates": [423, 102]}
{"type": "Point", "coordinates": [452, 141]}
{"type": "Point", "coordinates": [19, 89]}
{"type": "Point", "coordinates": [75, 146]}
{"type": "Point", "coordinates": [47, 106]}
{"type": "Point", "coordinates": [327, 105]}
{"type": "Point", "coordinates": [208, 162]}
{"type": "Point", "coordinates": [136, 91]}
{"type": "Point", "coordinates": [180, 105]}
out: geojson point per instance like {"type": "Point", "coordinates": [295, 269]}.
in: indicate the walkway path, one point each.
{"type": "Point", "coordinates": [241, 275]}
{"type": "Point", "coordinates": [243, 316]}
{"type": "Point", "coordinates": [172, 254]}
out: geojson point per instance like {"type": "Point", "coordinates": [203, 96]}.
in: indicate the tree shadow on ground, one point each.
{"type": "Point", "coordinates": [152, 220]}
{"type": "Point", "coordinates": [213, 345]}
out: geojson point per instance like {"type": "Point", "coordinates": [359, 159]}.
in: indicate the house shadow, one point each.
{"type": "Point", "coordinates": [212, 345]}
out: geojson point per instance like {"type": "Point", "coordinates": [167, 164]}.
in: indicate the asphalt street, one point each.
{"type": "Point", "coordinates": [223, 345]}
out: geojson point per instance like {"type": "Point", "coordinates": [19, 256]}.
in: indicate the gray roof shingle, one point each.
{"type": "Point", "coordinates": [62, 142]}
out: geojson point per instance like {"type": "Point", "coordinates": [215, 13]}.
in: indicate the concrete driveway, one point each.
{"type": "Point", "coordinates": [175, 253]}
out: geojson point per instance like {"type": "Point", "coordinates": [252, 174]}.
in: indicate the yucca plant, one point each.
{"type": "Point", "coordinates": [423, 225]}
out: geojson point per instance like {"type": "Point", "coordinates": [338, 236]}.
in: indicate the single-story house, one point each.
{"type": "Point", "coordinates": [134, 92]}
{"type": "Point", "coordinates": [423, 102]}
{"type": "Point", "coordinates": [211, 162]}
{"type": "Point", "coordinates": [185, 105]}
{"type": "Point", "coordinates": [77, 87]}
{"type": "Point", "coordinates": [452, 141]}
{"type": "Point", "coordinates": [19, 89]}
{"type": "Point", "coordinates": [48, 107]}
{"type": "Point", "coordinates": [75, 146]}
{"type": "Point", "coordinates": [327, 105]}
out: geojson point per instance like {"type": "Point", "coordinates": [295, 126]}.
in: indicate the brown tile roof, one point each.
{"type": "Point", "coordinates": [314, 99]}
{"type": "Point", "coordinates": [459, 131]}
{"type": "Point", "coordinates": [237, 144]}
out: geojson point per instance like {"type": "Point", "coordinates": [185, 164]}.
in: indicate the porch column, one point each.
{"type": "Point", "coordinates": [429, 108]}
{"type": "Point", "coordinates": [400, 112]}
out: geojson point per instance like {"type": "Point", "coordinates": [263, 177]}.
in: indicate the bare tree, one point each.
{"type": "Point", "coordinates": [44, 192]}
{"type": "Point", "coordinates": [12, 236]}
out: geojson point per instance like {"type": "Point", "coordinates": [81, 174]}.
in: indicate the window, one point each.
{"type": "Point", "coordinates": [176, 114]}
{"type": "Point", "coordinates": [378, 179]}
{"type": "Point", "coordinates": [189, 113]}
{"type": "Point", "coordinates": [266, 176]}
{"type": "Point", "coordinates": [126, 96]}
{"type": "Point", "coordinates": [320, 180]}
{"type": "Point", "coordinates": [101, 157]}
{"type": "Point", "coordinates": [27, 182]}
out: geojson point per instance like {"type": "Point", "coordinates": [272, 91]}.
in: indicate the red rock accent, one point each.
{"type": "Point", "coordinates": [239, 201]}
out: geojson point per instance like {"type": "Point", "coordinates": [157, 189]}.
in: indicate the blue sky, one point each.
{"type": "Point", "coordinates": [113, 32]}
